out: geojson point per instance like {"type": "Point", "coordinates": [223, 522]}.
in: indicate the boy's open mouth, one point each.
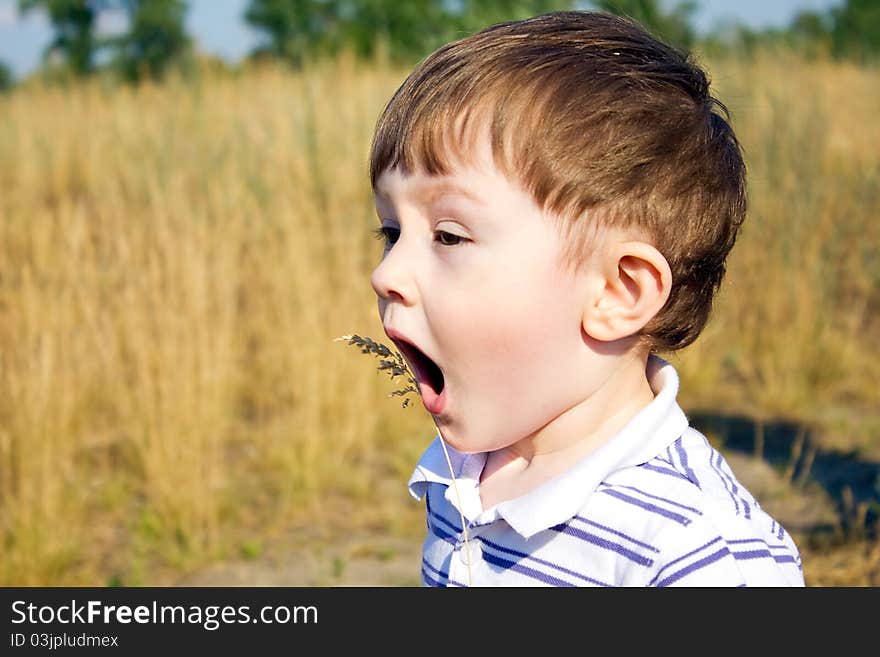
{"type": "Point", "coordinates": [425, 369]}
{"type": "Point", "coordinates": [428, 375]}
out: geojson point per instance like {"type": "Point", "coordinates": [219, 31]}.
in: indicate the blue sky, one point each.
{"type": "Point", "coordinates": [217, 27]}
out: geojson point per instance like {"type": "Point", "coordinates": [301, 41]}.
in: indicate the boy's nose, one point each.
{"type": "Point", "coordinates": [392, 279]}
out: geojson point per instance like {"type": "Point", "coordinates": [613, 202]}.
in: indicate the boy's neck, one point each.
{"type": "Point", "coordinates": [570, 437]}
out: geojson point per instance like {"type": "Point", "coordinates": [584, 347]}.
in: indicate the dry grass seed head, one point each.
{"type": "Point", "coordinates": [390, 361]}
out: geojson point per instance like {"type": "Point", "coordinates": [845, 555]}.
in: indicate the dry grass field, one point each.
{"type": "Point", "coordinates": [176, 261]}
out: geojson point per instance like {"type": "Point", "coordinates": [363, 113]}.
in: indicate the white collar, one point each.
{"type": "Point", "coordinates": [648, 433]}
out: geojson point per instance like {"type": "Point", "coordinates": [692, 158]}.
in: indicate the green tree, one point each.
{"type": "Point", "coordinates": [293, 27]}
{"type": "Point", "coordinates": [73, 22]}
{"type": "Point", "coordinates": [413, 29]}
{"type": "Point", "coordinates": [477, 14]}
{"type": "Point", "coordinates": [7, 80]}
{"type": "Point", "coordinates": [855, 29]}
{"type": "Point", "coordinates": [810, 33]}
{"type": "Point", "coordinates": [674, 26]}
{"type": "Point", "coordinates": [156, 39]}
{"type": "Point", "coordinates": [850, 30]}
{"type": "Point", "coordinates": [409, 30]}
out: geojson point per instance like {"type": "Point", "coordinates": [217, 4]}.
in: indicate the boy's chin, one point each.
{"type": "Point", "coordinates": [454, 438]}
{"type": "Point", "coordinates": [463, 441]}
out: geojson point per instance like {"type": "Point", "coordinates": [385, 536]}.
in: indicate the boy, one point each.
{"type": "Point", "coordinates": [558, 196]}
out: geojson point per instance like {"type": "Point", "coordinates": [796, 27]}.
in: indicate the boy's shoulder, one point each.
{"type": "Point", "coordinates": [687, 504]}
{"type": "Point", "coordinates": [688, 480]}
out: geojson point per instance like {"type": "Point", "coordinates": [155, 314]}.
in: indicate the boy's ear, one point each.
{"type": "Point", "coordinates": [636, 281]}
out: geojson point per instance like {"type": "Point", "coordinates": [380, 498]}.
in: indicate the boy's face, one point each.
{"type": "Point", "coordinates": [472, 276]}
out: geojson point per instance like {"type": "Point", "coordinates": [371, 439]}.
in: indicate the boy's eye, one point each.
{"type": "Point", "coordinates": [388, 234]}
{"type": "Point", "coordinates": [448, 239]}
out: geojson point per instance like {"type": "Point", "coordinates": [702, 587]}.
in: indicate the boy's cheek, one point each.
{"type": "Point", "coordinates": [502, 360]}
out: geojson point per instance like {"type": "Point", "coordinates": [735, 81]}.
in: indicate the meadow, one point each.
{"type": "Point", "coordinates": [177, 259]}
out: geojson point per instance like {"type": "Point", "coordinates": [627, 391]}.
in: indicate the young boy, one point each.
{"type": "Point", "coordinates": [558, 196]}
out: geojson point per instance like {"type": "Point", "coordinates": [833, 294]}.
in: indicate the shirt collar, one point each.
{"type": "Point", "coordinates": [647, 434]}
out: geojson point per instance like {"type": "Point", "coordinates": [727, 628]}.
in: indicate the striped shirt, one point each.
{"type": "Point", "coordinates": [656, 505]}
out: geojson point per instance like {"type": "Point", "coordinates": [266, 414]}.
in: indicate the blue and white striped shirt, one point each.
{"type": "Point", "coordinates": [656, 505]}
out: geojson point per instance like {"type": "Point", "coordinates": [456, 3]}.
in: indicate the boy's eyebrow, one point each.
{"type": "Point", "coordinates": [429, 191]}
{"type": "Point", "coordinates": [434, 189]}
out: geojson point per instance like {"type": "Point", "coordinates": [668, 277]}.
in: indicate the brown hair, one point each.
{"type": "Point", "coordinates": [596, 118]}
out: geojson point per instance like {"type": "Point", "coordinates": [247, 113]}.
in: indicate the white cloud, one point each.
{"type": "Point", "coordinates": [8, 13]}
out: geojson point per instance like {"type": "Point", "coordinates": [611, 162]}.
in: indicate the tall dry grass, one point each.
{"type": "Point", "coordinates": [799, 311]}
{"type": "Point", "coordinates": [176, 261]}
